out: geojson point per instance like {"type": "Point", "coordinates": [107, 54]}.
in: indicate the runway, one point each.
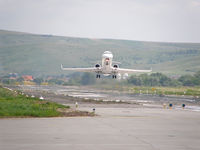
{"type": "Point", "coordinates": [113, 129]}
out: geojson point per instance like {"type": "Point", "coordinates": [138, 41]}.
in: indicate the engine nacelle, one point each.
{"type": "Point", "coordinates": [115, 66]}
{"type": "Point", "coordinates": [97, 65]}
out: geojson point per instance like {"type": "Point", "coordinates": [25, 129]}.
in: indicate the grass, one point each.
{"type": "Point", "coordinates": [14, 104]}
{"type": "Point", "coordinates": [178, 91]}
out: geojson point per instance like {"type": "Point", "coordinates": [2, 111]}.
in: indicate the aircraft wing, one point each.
{"type": "Point", "coordinates": [81, 69]}
{"type": "Point", "coordinates": [122, 70]}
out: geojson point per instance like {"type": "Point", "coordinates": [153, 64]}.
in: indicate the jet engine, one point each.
{"type": "Point", "coordinates": [115, 66]}
{"type": "Point", "coordinates": [97, 65]}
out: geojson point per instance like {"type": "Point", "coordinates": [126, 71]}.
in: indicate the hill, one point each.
{"type": "Point", "coordinates": [33, 54]}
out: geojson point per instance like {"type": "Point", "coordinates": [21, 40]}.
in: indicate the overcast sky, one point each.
{"type": "Point", "coordinates": [145, 20]}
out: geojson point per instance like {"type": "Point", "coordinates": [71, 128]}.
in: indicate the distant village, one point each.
{"type": "Point", "coordinates": [154, 79]}
{"type": "Point", "coordinates": [16, 79]}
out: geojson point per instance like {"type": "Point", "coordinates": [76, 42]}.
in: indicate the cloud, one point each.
{"type": "Point", "coordinates": [195, 3]}
{"type": "Point", "coordinates": [152, 20]}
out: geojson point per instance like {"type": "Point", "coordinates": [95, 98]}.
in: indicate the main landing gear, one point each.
{"type": "Point", "coordinates": [114, 76]}
{"type": "Point", "coordinates": [98, 76]}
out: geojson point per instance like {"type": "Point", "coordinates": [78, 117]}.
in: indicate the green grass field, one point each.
{"type": "Point", "coordinates": [159, 90]}
{"type": "Point", "coordinates": [13, 104]}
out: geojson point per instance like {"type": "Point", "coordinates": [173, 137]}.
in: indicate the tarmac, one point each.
{"type": "Point", "coordinates": [113, 129]}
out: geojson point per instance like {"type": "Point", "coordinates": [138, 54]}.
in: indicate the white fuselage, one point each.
{"type": "Point", "coordinates": [107, 62]}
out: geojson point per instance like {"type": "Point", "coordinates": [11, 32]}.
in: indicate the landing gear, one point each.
{"type": "Point", "coordinates": [98, 76]}
{"type": "Point", "coordinates": [114, 76]}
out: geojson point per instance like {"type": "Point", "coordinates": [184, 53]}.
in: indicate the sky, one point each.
{"type": "Point", "coordinates": [142, 20]}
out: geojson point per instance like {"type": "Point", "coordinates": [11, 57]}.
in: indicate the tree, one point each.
{"type": "Point", "coordinates": [135, 80]}
{"type": "Point", "coordinates": [56, 81]}
{"type": "Point", "coordinates": [197, 78]}
{"type": "Point", "coordinates": [187, 80]}
{"type": "Point", "coordinates": [87, 79]}
{"type": "Point", "coordinates": [38, 80]}
{"type": "Point", "coordinates": [155, 79]}
{"type": "Point", "coordinates": [20, 79]}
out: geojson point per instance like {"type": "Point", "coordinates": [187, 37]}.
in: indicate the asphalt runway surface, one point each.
{"type": "Point", "coordinates": [59, 94]}
{"type": "Point", "coordinates": [144, 125]}
{"type": "Point", "coordinates": [114, 129]}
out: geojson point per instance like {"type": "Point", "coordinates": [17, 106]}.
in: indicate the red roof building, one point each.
{"type": "Point", "coordinates": [27, 78]}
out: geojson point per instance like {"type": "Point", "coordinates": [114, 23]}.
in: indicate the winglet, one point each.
{"type": "Point", "coordinates": [61, 66]}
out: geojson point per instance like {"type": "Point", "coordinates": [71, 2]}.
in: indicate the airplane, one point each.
{"type": "Point", "coordinates": [106, 67]}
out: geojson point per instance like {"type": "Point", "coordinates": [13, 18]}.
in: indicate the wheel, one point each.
{"type": "Point", "coordinates": [98, 76]}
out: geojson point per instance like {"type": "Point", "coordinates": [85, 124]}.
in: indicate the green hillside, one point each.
{"type": "Point", "coordinates": [42, 54]}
